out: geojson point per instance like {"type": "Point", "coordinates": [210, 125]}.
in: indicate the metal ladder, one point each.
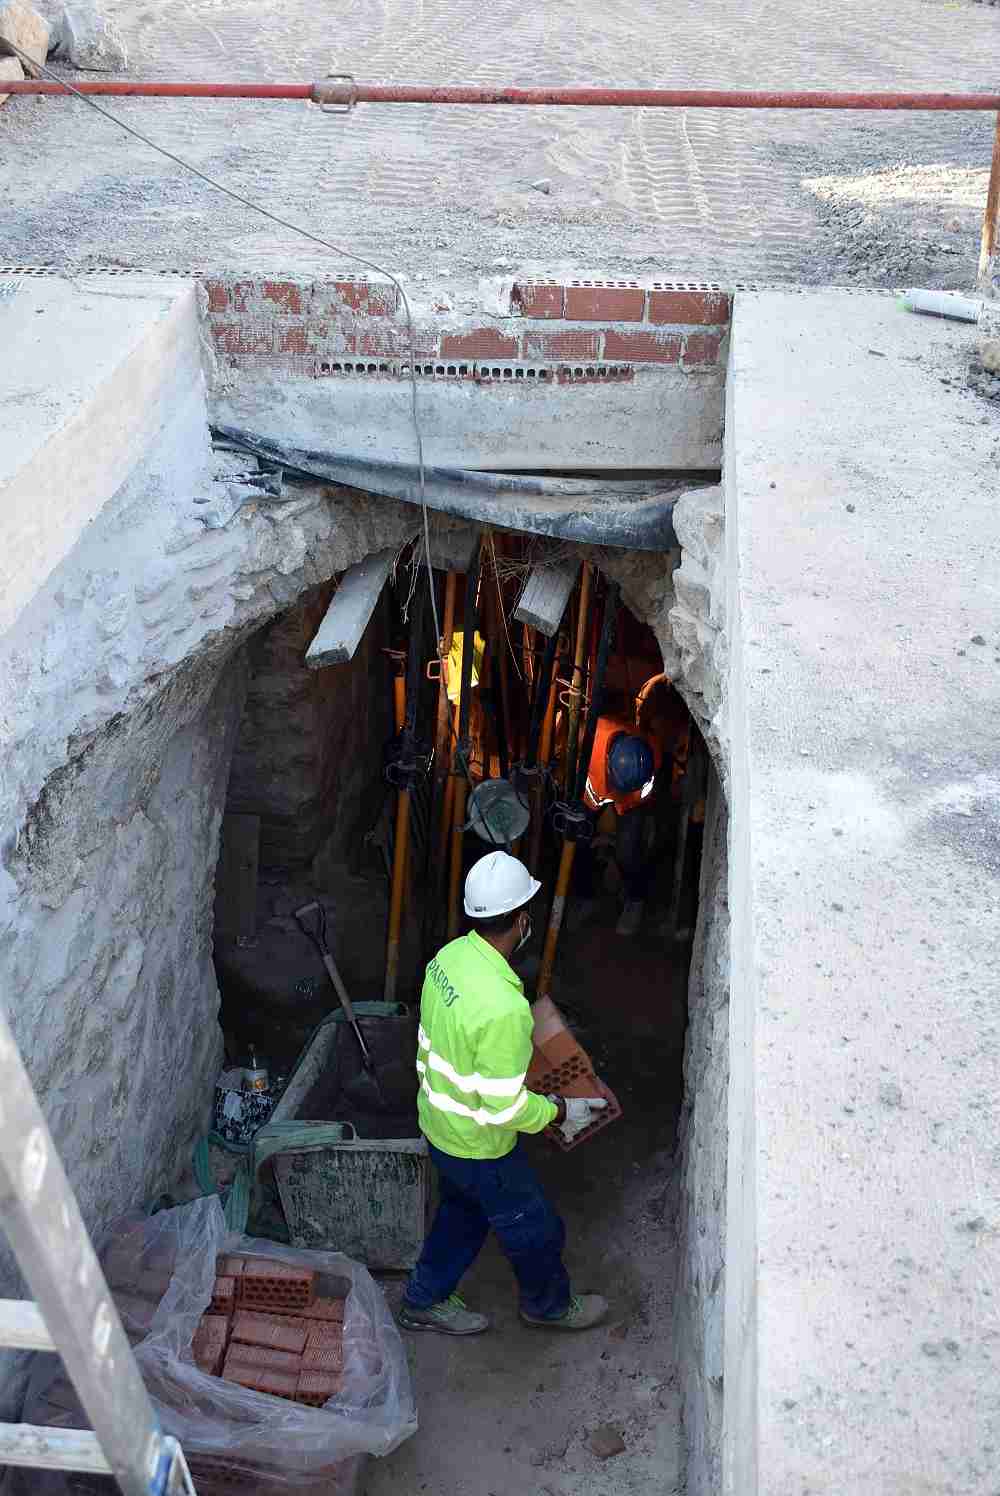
{"type": "Point", "coordinates": [73, 1313]}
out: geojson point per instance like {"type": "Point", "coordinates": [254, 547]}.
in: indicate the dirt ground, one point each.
{"type": "Point", "coordinates": [439, 194]}
{"type": "Point", "coordinates": [510, 1413]}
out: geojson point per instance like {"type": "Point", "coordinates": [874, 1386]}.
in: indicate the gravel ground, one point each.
{"type": "Point", "coordinates": [813, 198]}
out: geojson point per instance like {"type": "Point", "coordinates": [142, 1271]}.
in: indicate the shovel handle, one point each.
{"type": "Point", "coordinates": [338, 983]}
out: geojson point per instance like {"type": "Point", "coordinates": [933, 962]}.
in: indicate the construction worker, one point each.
{"type": "Point", "coordinates": [474, 1049]}
{"type": "Point", "coordinates": [622, 773]}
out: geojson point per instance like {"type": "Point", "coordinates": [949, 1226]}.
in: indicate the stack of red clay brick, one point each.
{"type": "Point", "coordinates": [267, 1330]}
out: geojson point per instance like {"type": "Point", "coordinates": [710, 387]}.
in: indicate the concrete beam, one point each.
{"type": "Point", "coordinates": [663, 419]}
{"type": "Point", "coordinates": [350, 611]}
{"type": "Point", "coordinates": [87, 384]}
{"type": "Point", "coordinates": [546, 593]}
{"type": "Point", "coordinates": [864, 1178]}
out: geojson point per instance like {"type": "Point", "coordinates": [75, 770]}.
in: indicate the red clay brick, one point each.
{"type": "Point", "coordinates": [267, 1284]}
{"type": "Point", "coordinates": [596, 302]}
{"type": "Point", "coordinates": [703, 308]}
{"type": "Point", "coordinates": [218, 296]}
{"type": "Point", "coordinates": [585, 345]}
{"type": "Point", "coordinates": [293, 340]}
{"type": "Point", "coordinates": [265, 1330]}
{"type": "Point", "coordinates": [643, 347]}
{"type": "Point", "coordinates": [328, 1358]}
{"type": "Point", "coordinates": [533, 300]}
{"type": "Point", "coordinates": [393, 342]}
{"type": "Point", "coordinates": [261, 1378]}
{"type": "Point", "coordinates": [260, 1355]}
{"type": "Point", "coordinates": [316, 1388]}
{"type": "Point", "coordinates": [479, 342]}
{"type": "Point", "coordinates": [208, 1346]}
{"type": "Point", "coordinates": [372, 298]}
{"type": "Point", "coordinates": [702, 348]}
{"type": "Point", "coordinates": [224, 1296]}
{"type": "Point", "coordinates": [241, 293]}
{"type": "Point", "coordinates": [602, 1119]}
{"type": "Point", "coordinates": [286, 295]}
{"type": "Point", "coordinates": [322, 1335]}
{"type": "Point", "coordinates": [240, 341]}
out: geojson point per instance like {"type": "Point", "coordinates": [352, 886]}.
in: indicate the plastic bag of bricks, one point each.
{"type": "Point", "coordinates": [318, 1309]}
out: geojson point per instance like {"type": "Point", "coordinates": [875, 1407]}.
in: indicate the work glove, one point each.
{"type": "Point", "coordinates": [580, 1112]}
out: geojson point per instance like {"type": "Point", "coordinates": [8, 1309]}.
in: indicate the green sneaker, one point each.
{"type": "Point", "coordinates": [451, 1317]}
{"type": "Point", "coordinates": [585, 1311]}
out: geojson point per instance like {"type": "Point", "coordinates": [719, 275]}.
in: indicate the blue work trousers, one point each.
{"type": "Point", "coordinates": [504, 1194]}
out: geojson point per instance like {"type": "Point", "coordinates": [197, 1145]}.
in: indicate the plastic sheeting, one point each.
{"type": "Point", "coordinates": [161, 1270]}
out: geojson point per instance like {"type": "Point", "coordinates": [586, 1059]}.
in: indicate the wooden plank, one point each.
{"type": "Point", "coordinates": [51, 1449]}
{"type": "Point", "coordinates": [546, 593]}
{"type": "Point", "coordinates": [350, 610]}
{"type": "Point", "coordinates": [22, 1327]}
{"type": "Point", "coordinates": [236, 877]}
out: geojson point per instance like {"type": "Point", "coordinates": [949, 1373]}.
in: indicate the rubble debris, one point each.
{"type": "Point", "coordinates": [83, 37]}
{"type": "Point", "coordinates": [24, 34]}
{"type": "Point", "coordinates": [10, 69]}
{"type": "Point", "coordinates": [605, 1441]}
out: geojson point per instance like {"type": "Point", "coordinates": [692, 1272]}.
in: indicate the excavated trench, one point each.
{"type": "Point", "coordinates": [160, 864]}
{"type": "Point", "coordinates": [307, 787]}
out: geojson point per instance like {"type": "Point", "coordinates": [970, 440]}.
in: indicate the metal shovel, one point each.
{"type": "Point", "coordinates": [316, 931]}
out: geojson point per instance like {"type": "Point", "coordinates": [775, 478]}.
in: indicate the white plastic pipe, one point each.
{"type": "Point", "coordinates": [944, 304]}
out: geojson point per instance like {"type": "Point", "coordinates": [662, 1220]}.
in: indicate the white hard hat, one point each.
{"type": "Point", "coordinates": [498, 884]}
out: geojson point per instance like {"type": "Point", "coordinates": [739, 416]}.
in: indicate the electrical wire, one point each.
{"type": "Point", "coordinates": [295, 228]}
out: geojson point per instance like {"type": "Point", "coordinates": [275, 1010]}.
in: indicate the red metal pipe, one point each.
{"type": "Point", "coordinates": [347, 93]}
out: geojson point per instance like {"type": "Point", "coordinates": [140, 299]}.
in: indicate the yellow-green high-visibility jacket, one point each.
{"type": "Point", "coordinates": [473, 1053]}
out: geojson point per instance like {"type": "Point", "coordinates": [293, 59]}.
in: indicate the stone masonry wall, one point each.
{"type": "Point", "coordinates": [120, 694]}
{"type": "Point", "coordinates": [307, 755]}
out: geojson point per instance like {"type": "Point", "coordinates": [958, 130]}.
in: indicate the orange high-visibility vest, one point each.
{"type": "Point", "coordinates": [599, 790]}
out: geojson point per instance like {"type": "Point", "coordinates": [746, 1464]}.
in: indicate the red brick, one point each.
{"type": "Point", "coordinates": [224, 1295]}
{"type": "Point", "coordinates": [268, 1330]}
{"type": "Point", "coordinates": [241, 294]}
{"type": "Point", "coordinates": [239, 340]}
{"type": "Point", "coordinates": [394, 342]}
{"type": "Point", "coordinates": [261, 1355]}
{"type": "Point", "coordinates": [323, 1336]}
{"type": "Point", "coordinates": [373, 299]}
{"type": "Point", "coordinates": [594, 303]}
{"type": "Point", "coordinates": [585, 345]}
{"type": "Point", "coordinates": [702, 348]}
{"type": "Point", "coordinates": [292, 340]}
{"type": "Point", "coordinates": [643, 347]}
{"type": "Point", "coordinates": [261, 1378]}
{"type": "Point", "coordinates": [208, 1346]}
{"type": "Point", "coordinates": [285, 294]}
{"type": "Point", "coordinates": [479, 342]}
{"type": "Point", "coordinates": [611, 1113]}
{"type": "Point", "coordinates": [533, 300]}
{"type": "Point", "coordinates": [267, 1284]}
{"type": "Point", "coordinates": [316, 1388]}
{"type": "Point", "coordinates": [703, 308]}
{"type": "Point", "coordinates": [218, 296]}
{"type": "Point", "coordinates": [328, 1358]}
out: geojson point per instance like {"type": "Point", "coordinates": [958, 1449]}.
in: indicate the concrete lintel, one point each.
{"type": "Point", "coordinates": [350, 611]}
{"type": "Point", "coordinates": [546, 593]}
{"type": "Point", "coordinates": [864, 1177]}
{"type": "Point", "coordinates": [663, 419]}
{"type": "Point", "coordinates": [85, 388]}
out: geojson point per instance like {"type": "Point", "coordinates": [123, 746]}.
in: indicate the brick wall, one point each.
{"type": "Point", "coordinates": [579, 331]}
